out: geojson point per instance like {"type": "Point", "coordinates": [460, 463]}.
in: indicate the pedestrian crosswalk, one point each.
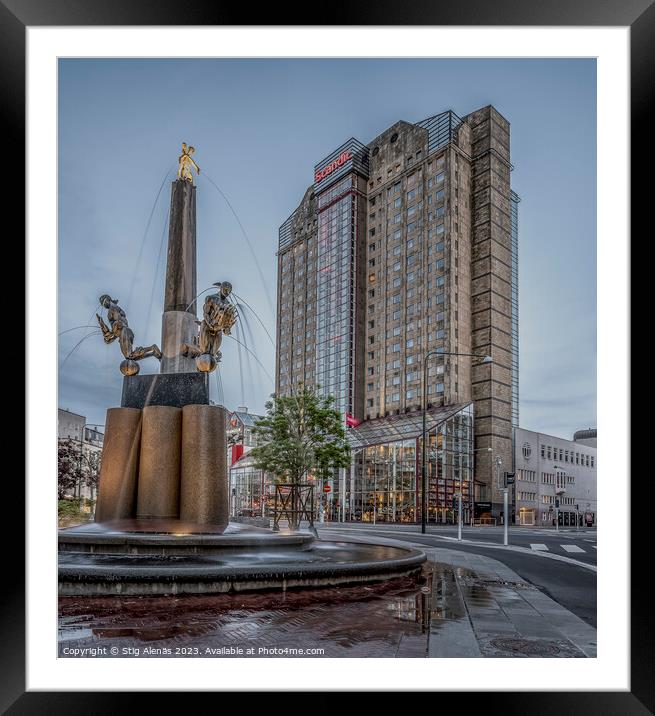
{"type": "Point", "coordinates": [540, 547]}
{"type": "Point", "coordinates": [571, 548]}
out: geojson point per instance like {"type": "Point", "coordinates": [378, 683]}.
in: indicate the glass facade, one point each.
{"type": "Point", "coordinates": [249, 491]}
{"type": "Point", "coordinates": [335, 330]}
{"type": "Point", "coordinates": [385, 481]}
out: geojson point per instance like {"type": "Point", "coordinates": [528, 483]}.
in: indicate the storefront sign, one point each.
{"type": "Point", "coordinates": [338, 162]}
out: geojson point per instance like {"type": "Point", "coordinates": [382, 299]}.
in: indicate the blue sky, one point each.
{"type": "Point", "coordinates": [259, 126]}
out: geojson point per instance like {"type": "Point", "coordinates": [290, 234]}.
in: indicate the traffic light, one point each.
{"type": "Point", "coordinates": [510, 478]}
{"type": "Point", "coordinates": [557, 502]}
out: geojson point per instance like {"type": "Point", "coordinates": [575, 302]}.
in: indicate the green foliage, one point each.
{"type": "Point", "coordinates": [69, 508]}
{"type": "Point", "coordinates": [301, 434]}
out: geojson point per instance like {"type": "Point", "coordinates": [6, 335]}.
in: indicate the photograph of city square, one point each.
{"type": "Point", "coordinates": [327, 358]}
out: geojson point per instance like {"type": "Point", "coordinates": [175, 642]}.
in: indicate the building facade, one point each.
{"type": "Point", "coordinates": [71, 426]}
{"type": "Point", "coordinates": [405, 245]}
{"type": "Point", "coordinates": [249, 486]}
{"type": "Point", "coordinates": [551, 470]}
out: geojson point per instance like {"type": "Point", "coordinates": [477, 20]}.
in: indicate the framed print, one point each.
{"type": "Point", "coordinates": [298, 272]}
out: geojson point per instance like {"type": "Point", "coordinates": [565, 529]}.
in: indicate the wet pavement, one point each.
{"type": "Point", "coordinates": [462, 605]}
{"type": "Point", "coordinates": [389, 619]}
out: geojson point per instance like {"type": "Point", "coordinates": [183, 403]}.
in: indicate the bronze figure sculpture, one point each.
{"type": "Point", "coordinates": [219, 315]}
{"type": "Point", "coordinates": [119, 329]}
{"type": "Point", "coordinates": [185, 164]}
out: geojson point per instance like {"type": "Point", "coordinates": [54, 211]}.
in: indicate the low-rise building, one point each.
{"type": "Point", "coordinates": [555, 479]}
{"type": "Point", "coordinates": [73, 427]}
{"type": "Point", "coordinates": [249, 486]}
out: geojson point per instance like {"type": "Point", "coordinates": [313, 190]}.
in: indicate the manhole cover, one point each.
{"type": "Point", "coordinates": [521, 646]}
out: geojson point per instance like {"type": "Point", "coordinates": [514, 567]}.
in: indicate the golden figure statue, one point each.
{"type": "Point", "coordinates": [186, 162]}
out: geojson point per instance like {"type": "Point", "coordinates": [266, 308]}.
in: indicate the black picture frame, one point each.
{"type": "Point", "coordinates": [639, 15]}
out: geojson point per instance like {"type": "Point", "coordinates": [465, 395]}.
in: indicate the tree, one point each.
{"type": "Point", "coordinates": [300, 434]}
{"type": "Point", "coordinates": [73, 468]}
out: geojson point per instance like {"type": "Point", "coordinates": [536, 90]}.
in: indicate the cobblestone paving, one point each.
{"type": "Point", "coordinates": [386, 620]}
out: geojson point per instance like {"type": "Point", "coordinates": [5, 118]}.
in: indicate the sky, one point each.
{"type": "Point", "coordinates": [259, 127]}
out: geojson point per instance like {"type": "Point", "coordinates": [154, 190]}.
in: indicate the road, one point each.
{"type": "Point", "coordinates": [570, 584]}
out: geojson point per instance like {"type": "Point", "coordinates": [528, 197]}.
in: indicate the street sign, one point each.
{"type": "Point", "coordinates": [327, 488]}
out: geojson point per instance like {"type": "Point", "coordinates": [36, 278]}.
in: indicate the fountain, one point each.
{"type": "Point", "coordinates": [161, 521]}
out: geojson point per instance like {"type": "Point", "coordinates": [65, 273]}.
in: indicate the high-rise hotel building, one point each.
{"type": "Point", "coordinates": [401, 246]}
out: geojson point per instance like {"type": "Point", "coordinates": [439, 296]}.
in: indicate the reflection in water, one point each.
{"type": "Point", "coordinates": [391, 618]}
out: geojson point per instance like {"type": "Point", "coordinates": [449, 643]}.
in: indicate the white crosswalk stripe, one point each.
{"type": "Point", "coordinates": [571, 548]}
{"type": "Point", "coordinates": [594, 546]}
{"type": "Point", "coordinates": [539, 547]}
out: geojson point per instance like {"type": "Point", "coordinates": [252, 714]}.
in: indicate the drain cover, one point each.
{"type": "Point", "coordinates": [522, 646]}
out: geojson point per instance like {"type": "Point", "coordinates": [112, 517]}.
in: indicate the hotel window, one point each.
{"type": "Point", "coordinates": [396, 347]}
{"type": "Point", "coordinates": [411, 194]}
{"type": "Point", "coordinates": [371, 263]}
{"type": "Point", "coordinates": [395, 397]}
{"type": "Point", "coordinates": [371, 355]}
{"type": "Point", "coordinates": [397, 234]}
{"type": "Point", "coordinates": [440, 281]}
{"type": "Point", "coordinates": [396, 315]}
{"type": "Point", "coordinates": [369, 386]}
{"type": "Point", "coordinates": [439, 387]}
{"type": "Point", "coordinates": [397, 329]}
{"type": "Point", "coordinates": [410, 394]}
{"type": "Point", "coordinates": [439, 247]}
{"type": "Point", "coordinates": [396, 251]}
{"type": "Point", "coordinates": [371, 293]}
{"type": "Point", "coordinates": [440, 212]}
{"type": "Point", "coordinates": [397, 202]}
{"type": "Point", "coordinates": [439, 264]}
{"type": "Point", "coordinates": [396, 218]}
{"type": "Point", "coordinates": [440, 177]}
{"type": "Point", "coordinates": [439, 195]}
{"type": "Point", "coordinates": [396, 266]}
{"type": "Point", "coordinates": [371, 370]}
{"type": "Point", "coordinates": [440, 229]}
{"type": "Point", "coordinates": [371, 247]}
{"type": "Point", "coordinates": [409, 360]}
{"type": "Point", "coordinates": [409, 343]}
{"type": "Point", "coordinates": [396, 282]}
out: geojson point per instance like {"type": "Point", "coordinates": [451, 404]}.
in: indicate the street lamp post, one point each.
{"type": "Point", "coordinates": [424, 451]}
{"type": "Point", "coordinates": [558, 493]}
{"type": "Point", "coordinates": [505, 489]}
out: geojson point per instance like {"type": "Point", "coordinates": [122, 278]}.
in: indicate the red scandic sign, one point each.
{"type": "Point", "coordinates": [338, 162]}
{"type": "Point", "coordinates": [327, 488]}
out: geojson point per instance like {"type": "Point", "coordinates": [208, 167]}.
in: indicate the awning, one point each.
{"type": "Point", "coordinates": [399, 427]}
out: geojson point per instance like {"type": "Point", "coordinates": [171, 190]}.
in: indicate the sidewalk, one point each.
{"type": "Point", "coordinates": [480, 607]}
